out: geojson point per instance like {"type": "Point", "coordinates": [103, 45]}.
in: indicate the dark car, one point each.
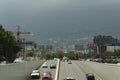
{"type": "Point", "coordinates": [53, 65]}
{"type": "Point", "coordinates": [90, 76]}
{"type": "Point", "coordinates": [69, 62]}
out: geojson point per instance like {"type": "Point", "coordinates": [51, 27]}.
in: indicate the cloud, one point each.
{"type": "Point", "coordinates": [32, 7]}
{"type": "Point", "coordinates": [55, 16]}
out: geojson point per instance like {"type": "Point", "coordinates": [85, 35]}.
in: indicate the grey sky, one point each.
{"type": "Point", "coordinates": [62, 18]}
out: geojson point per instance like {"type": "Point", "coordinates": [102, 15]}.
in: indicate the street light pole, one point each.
{"type": "Point", "coordinates": [24, 53]}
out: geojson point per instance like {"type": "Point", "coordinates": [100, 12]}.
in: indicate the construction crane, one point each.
{"type": "Point", "coordinates": [20, 32]}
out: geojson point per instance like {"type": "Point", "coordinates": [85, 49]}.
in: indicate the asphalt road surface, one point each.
{"type": "Point", "coordinates": [104, 70]}
{"type": "Point", "coordinates": [18, 71]}
{"type": "Point", "coordinates": [48, 69]}
{"type": "Point", "coordinates": [71, 70]}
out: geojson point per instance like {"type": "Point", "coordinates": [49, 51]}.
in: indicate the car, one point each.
{"type": "Point", "coordinates": [90, 76]}
{"type": "Point", "coordinates": [35, 74]}
{"type": "Point", "coordinates": [4, 62]}
{"type": "Point", "coordinates": [19, 60]}
{"type": "Point", "coordinates": [52, 65]}
{"type": "Point", "coordinates": [69, 62]}
{"type": "Point", "coordinates": [118, 63]}
{"type": "Point", "coordinates": [35, 71]}
{"type": "Point", "coordinates": [55, 59]}
{"type": "Point", "coordinates": [46, 76]}
{"type": "Point", "coordinates": [44, 65]}
{"type": "Point", "coordinates": [69, 78]}
{"type": "Point", "coordinates": [67, 59]}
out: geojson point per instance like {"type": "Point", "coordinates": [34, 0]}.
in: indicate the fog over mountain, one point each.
{"type": "Point", "coordinates": [62, 18]}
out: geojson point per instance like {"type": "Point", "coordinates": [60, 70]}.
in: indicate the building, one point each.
{"type": "Point", "coordinates": [103, 41]}
{"type": "Point", "coordinates": [112, 48]}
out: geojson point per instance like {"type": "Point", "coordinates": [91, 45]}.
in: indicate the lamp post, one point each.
{"type": "Point", "coordinates": [24, 46]}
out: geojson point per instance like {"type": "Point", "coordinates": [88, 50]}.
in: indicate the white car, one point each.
{"type": "Point", "coordinates": [3, 62]}
{"type": "Point", "coordinates": [35, 74]}
{"type": "Point", "coordinates": [118, 63]}
{"type": "Point", "coordinates": [18, 60]}
{"type": "Point", "coordinates": [69, 78]}
{"type": "Point", "coordinates": [44, 65]}
{"type": "Point", "coordinates": [55, 59]}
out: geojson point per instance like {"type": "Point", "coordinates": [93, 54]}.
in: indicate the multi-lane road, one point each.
{"type": "Point", "coordinates": [103, 71]}
{"type": "Point", "coordinates": [77, 69]}
{"type": "Point", "coordinates": [53, 71]}
{"type": "Point", "coordinates": [66, 70]}
{"type": "Point", "coordinates": [71, 70]}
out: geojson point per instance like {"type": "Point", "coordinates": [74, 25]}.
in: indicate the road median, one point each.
{"type": "Point", "coordinates": [57, 69]}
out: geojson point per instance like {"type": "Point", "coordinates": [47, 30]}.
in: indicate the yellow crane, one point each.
{"type": "Point", "coordinates": [20, 32]}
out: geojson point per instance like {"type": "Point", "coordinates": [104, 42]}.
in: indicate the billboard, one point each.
{"type": "Point", "coordinates": [116, 44]}
{"type": "Point", "coordinates": [91, 45]}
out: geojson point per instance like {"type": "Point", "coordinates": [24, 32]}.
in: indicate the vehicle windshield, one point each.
{"type": "Point", "coordinates": [78, 39]}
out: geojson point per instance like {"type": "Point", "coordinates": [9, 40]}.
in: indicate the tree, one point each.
{"type": "Point", "coordinates": [35, 45]}
{"type": "Point", "coordinates": [71, 54]}
{"type": "Point", "coordinates": [60, 54]}
{"type": "Point", "coordinates": [30, 53]}
{"type": "Point", "coordinates": [48, 55]}
{"type": "Point", "coordinates": [107, 54]}
{"type": "Point", "coordinates": [117, 53]}
{"type": "Point", "coordinates": [54, 55]}
{"type": "Point", "coordinates": [8, 48]}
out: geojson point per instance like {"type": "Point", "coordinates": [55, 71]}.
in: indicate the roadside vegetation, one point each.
{"type": "Point", "coordinates": [8, 47]}
{"type": "Point", "coordinates": [106, 57]}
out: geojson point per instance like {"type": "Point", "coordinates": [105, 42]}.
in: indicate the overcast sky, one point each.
{"type": "Point", "coordinates": [62, 18]}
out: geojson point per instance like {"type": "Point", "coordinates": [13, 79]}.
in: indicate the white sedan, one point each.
{"type": "Point", "coordinates": [44, 65]}
{"type": "Point", "coordinates": [69, 78]}
{"type": "Point", "coordinates": [35, 74]}
{"type": "Point", "coordinates": [19, 60]}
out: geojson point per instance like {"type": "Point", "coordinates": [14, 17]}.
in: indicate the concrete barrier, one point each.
{"type": "Point", "coordinates": [57, 69]}
{"type": "Point", "coordinates": [18, 71]}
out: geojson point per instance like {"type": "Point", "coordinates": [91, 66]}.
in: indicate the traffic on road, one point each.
{"type": "Point", "coordinates": [47, 71]}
